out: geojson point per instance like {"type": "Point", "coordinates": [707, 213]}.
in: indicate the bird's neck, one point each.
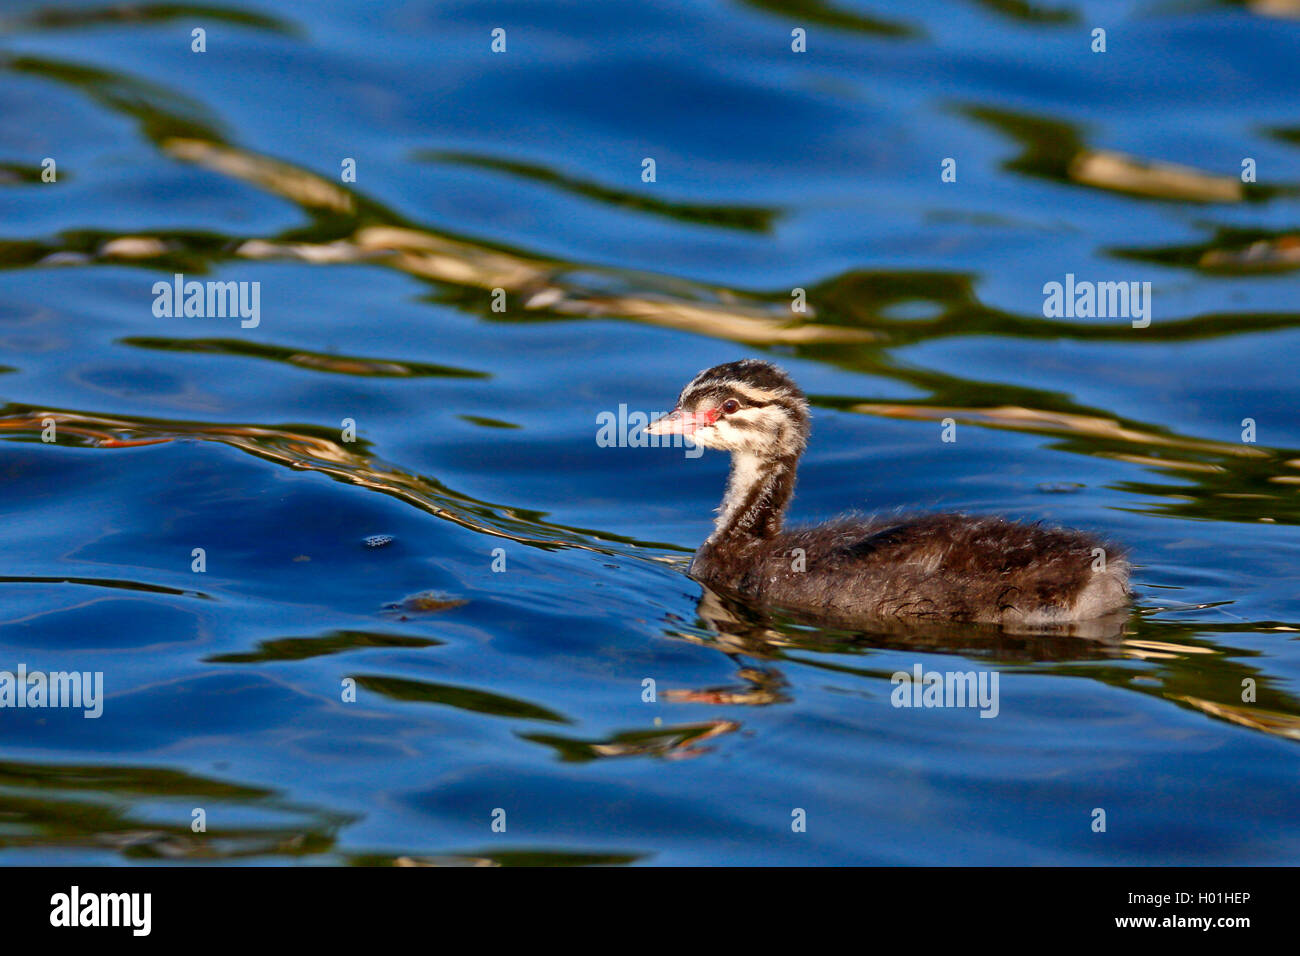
{"type": "Point", "coordinates": [758, 492]}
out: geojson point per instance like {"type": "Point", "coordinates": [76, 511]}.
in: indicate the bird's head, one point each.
{"type": "Point", "coordinates": [751, 407]}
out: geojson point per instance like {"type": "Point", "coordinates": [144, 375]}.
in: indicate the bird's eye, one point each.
{"type": "Point", "coordinates": [730, 405]}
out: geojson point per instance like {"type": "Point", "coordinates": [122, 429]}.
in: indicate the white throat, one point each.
{"type": "Point", "coordinates": [749, 472]}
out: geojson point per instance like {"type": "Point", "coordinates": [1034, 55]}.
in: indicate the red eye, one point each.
{"type": "Point", "coordinates": [730, 405]}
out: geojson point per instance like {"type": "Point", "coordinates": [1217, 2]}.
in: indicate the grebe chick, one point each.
{"type": "Point", "coordinates": [946, 567]}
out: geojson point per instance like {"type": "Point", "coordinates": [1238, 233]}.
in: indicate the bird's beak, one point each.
{"type": "Point", "coordinates": [678, 422]}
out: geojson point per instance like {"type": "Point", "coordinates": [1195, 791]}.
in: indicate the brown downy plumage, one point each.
{"type": "Point", "coordinates": [934, 567]}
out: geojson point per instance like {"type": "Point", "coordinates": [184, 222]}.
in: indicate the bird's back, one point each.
{"type": "Point", "coordinates": [950, 567]}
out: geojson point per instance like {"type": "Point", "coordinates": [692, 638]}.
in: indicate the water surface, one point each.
{"type": "Point", "coordinates": [521, 688]}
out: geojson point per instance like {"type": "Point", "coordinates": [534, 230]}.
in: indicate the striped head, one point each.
{"type": "Point", "coordinates": [748, 406]}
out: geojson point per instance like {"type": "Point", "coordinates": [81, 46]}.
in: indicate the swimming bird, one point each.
{"type": "Point", "coordinates": [929, 567]}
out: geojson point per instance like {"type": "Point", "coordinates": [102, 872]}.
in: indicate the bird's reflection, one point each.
{"type": "Point", "coordinates": [742, 629]}
{"type": "Point", "coordinates": [1182, 666]}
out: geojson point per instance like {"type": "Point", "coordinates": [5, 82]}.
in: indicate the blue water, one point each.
{"type": "Point", "coordinates": [520, 688]}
